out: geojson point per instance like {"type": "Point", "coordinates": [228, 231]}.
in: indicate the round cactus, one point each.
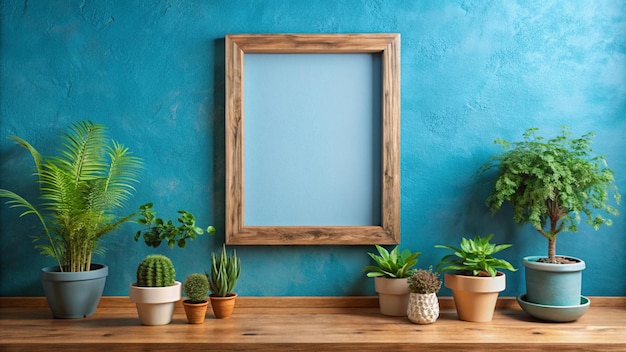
{"type": "Point", "coordinates": [156, 271]}
{"type": "Point", "coordinates": [196, 287]}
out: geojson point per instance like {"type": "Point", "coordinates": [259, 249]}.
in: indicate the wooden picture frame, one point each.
{"type": "Point", "coordinates": [388, 45]}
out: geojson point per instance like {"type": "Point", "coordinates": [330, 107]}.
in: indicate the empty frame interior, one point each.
{"type": "Point", "coordinates": [314, 159]}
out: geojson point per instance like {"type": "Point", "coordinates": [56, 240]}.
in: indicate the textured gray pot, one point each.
{"type": "Point", "coordinates": [74, 294]}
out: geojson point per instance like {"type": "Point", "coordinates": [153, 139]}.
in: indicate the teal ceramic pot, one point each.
{"type": "Point", "coordinates": [74, 294]}
{"type": "Point", "coordinates": [553, 284]}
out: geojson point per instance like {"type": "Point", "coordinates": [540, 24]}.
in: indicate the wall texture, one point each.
{"type": "Point", "coordinates": [472, 71]}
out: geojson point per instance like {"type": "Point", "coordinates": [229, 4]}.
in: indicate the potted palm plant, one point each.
{"type": "Point", "coordinates": [390, 274]}
{"type": "Point", "coordinates": [423, 303]}
{"type": "Point", "coordinates": [550, 183]}
{"type": "Point", "coordinates": [474, 279]}
{"type": "Point", "coordinates": [225, 271]}
{"type": "Point", "coordinates": [81, 191]}
{"type": "Point", "coordinates": [196, 287]}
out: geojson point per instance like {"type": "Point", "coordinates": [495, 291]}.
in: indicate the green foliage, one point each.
{"type": "Point", "coordinates": [424, 281]}
{"type": "Point", "coordinates": [156, 271]}
{"type": "Point", "coordinates": [474, 257]}
{"type": "Point", "coordinates": [81, 190]}
{"type": "Point", "coordinates": [158, 230]}
{"type": "Point", "coordinates": [225, 270]}
{"type": "Point", "coordinates": [196, 287]}
{"type": "Point", "coordinates": [392, 264]}
{"type": "Point", "coordinates": [550, 182]}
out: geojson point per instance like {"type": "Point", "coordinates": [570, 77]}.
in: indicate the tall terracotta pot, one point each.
{"type": "Point", "coordinates": [223, 306]}
{"type": "Point", "coordinates": [475, 297]}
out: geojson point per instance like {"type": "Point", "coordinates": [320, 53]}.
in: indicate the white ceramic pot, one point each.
{"type": "Point", "coordinates": [423, 308]}
{"type": "Point", "coordinates": [155, 305]}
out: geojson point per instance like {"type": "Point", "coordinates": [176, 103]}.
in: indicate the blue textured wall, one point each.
{"type": "Point", "coordinates": [471, 71]}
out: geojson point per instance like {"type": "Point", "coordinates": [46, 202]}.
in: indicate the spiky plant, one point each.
{"type": "Point", "coordinates": [156, 270]}
{"type": "Point", "coordinates": [196, 287]}
{"type": "Point", "coordinates": [424, 281]}
{"type": "Point", "coordinates": [550, 182]}
{"type": "Point", "coordinates": [81, 190]}
{"type": "Point", "coordinates": [225, 270]}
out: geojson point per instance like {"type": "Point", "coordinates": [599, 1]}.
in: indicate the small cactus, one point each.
{"type": "Point", "coordinates": [196, 287]}
{"type": "Point", "coordinates": [156, 271]}
{"type": "Point", "coordinates": [424, 281]}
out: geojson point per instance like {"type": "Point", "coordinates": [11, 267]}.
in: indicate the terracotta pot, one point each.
{"type": "Point", "coordinates": [423, 308]}
{"type": "Point", "coordinates": [196, 312]}
{"type": "Point", "coordinates": [475, 297]}
{"type": "Point", "coordinates": [393, 296]}
{"type": "Point", "coordinates": [223, 306]}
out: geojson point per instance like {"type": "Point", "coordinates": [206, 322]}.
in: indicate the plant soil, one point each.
{"type": "Point", "coordinates": [559, 260]}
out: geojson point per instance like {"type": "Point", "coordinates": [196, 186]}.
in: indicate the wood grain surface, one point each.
{"type": "Point", "coordinates": [308, 324]}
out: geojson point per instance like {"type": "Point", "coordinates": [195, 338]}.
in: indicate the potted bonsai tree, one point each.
{"type": "Point", "coordinates": [550, 183]}
{"type": "Point", "coordinates": [155, 296]}
{"type": "Point", "coordinates": [196, 287]}
{"type": "Point", "coordinates": [225, 271]}
{"type": "Point", "coordinates": [390, 274]}
{"type": "Point", "coordinates": [423, 303]}
{"type": "Point", "coordinates": [156, 291]}
{"type": "Point", "coordinates": [474, 279]}
{"type": "Point", "coordinates": [81, 191]}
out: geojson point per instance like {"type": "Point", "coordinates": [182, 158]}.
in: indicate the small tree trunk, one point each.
{"type": "Point", "coordinates": [552, 250]}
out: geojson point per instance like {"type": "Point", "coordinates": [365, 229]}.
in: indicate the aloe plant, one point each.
{"type": "Point", "coordinates": [474, 257]}
{"type": "Point", "coordinates": [225, 271]}
{"type": "Point", "coordinates": [81, 191]}
{"type": "Point", "coordinates": [394, 264]}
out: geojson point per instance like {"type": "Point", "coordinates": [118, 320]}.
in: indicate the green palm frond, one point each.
{"type": "Point", "coordinates": [80, 189]}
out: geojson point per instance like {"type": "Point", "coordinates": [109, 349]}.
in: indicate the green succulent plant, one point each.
{"type": "Point", "coordinates": [196, 287]}
{"type": "Point", "coordinates": [158, 230]}
{"type": "Point", "coordinates": [81, 191]}
{"type": "Point", "coordinates": [225, 271]}
{"type": "Point", "coordinates": [474, 257]}
{"type": "Point", "coordinates": [391, 264]}
{"type": "Point", "coordinates": [156, 270]}
{"type": "Point", "coordinates": [424, 281]}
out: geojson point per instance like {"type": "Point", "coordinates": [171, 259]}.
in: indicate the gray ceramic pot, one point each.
{"type": "Point", "coordinates": [74, 294]}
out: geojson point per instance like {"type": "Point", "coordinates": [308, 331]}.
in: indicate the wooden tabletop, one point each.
{"type": "Point", "coordinates": [308, 324]}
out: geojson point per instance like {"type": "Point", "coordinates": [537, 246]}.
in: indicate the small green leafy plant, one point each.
{"type": "Point", "coordinates": [424, 281]}
{"type": "Point", "coordinates": [392, 264]}
{"type": "Point", "coordinates": [196, 287]}
{"type": "Point", "coordinates": [158, 230]}
{"type": "Point", "coordinates": [225, 271]}
{"type": "Point", "coordinates": [474, 257]}
{"type": "Point", "coordinates": [155, 270]}
{"type": "Point", "coordinates": [550, 182]}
